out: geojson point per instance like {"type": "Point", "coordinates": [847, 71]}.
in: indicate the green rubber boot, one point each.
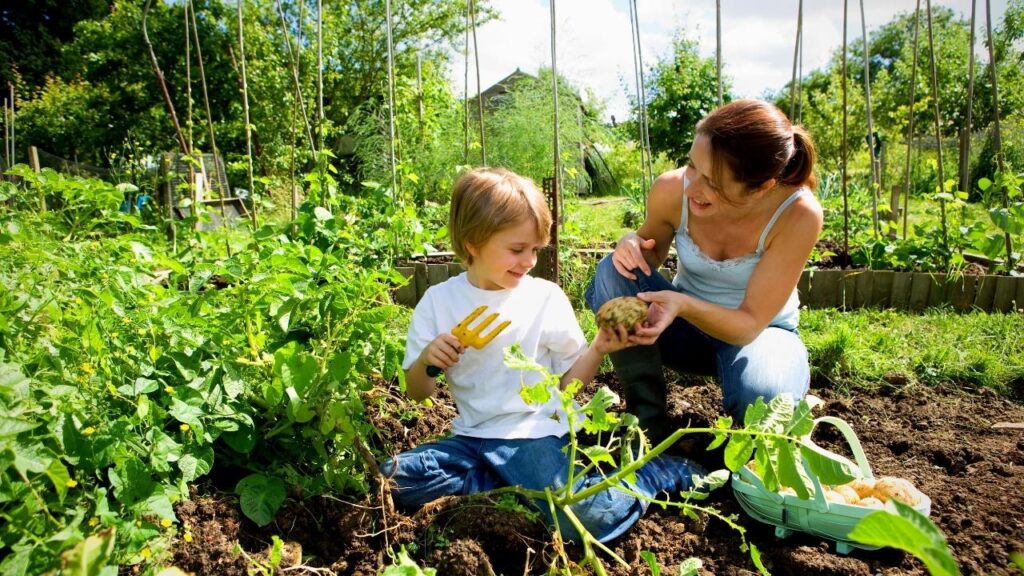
{"type": "Point", "coordinates": [643, 381]}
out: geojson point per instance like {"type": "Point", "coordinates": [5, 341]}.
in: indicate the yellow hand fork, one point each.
{"type": "Point", "coordinates": [471, 337]}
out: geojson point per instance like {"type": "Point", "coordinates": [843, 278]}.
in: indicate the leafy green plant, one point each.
{"type": "Point", "coordinates": [910, 531]}
{"type": "Point", "coordinates": [406, 566]}
{"type": "Point", "coordinates": [621, 447]}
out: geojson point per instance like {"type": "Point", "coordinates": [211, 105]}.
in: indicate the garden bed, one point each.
{"type": "Point", "coordinates": [819, 288]}
{"type": "Point", "coordinates": [942, 440]}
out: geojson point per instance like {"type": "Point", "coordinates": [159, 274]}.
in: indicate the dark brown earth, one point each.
{"type": "Point", "coordinates": [941, 440]}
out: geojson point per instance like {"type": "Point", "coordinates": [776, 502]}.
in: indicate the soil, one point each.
{"type": "Point", "coordinates": [940, 439]}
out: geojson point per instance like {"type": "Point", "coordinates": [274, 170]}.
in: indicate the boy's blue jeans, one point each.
{"type": "Point", "coordinates": [462, 465]}
{"type": "Point", "coordinates": [774, 363]}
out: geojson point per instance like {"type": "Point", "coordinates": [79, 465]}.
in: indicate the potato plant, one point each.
{"type": "Point", "coordinates": [130, 370]}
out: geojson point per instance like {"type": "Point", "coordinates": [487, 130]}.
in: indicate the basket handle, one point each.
{"type": "Point", "coordinates": [855, 448]}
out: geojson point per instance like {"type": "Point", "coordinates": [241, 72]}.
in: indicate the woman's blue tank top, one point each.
{"type": "Point", "coordinates": [724, 282]}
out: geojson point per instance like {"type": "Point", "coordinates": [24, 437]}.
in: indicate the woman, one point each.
{"type": "Point", "coordinates": [744, 219]}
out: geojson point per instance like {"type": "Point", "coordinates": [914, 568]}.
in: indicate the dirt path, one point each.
{"type": "Point", "coordinates": [943, 441]}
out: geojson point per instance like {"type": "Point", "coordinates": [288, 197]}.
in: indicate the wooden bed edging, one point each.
{"type": "Point", "coordinates": [842, 289]}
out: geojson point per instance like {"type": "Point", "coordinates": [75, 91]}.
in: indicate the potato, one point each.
{"type": "Point", "coordinates": [848, 493]}
{"type": "Point", "coordinates": [833, 496]}
{"type": "Point", "coordinates": [889, 487]}
{"type": "Point", "coordinates": [865, 487]}
{"type": "Point", "coordinates": [626, 311]}
{"type": "Point", "coordinates": [871, 502]}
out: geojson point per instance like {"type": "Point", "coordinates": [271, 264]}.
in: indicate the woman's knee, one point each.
{"type": "Point", "coordinates": [607, 283]}
{"type": "Point", "coordinates": [774, 364]}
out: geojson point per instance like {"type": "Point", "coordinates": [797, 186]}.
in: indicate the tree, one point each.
{"type": "Point", "coordinates": [34, 32]}
{"type": "Point", "coordinates": [681, 89]}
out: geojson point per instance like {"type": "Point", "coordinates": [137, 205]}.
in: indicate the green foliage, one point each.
{"type": "Point", "coordinates": [520, 131]}
{"type": "Point", "coordinates": [620, 450]}
{"type": "Point", "coordinates": [938, 346]}
{"type": "Point", "coordinates": [682, 89]}
{"type": "Point", "coordinates": [406, 566]}
{"type": "Point", "coordinates": [910, 531]}
{"type": "Point", "coordinates": [129, 371]}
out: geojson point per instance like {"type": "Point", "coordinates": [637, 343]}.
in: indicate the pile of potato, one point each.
{"type": "Point", "coordinates": [870, 493]}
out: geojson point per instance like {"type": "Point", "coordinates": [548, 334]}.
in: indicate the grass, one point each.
{"type": "Point", "coordinates": [867, 348]}
{"type": "Point", "coordinates": [596, 221]}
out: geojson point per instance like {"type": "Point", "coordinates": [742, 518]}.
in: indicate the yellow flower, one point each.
{"type": "Point", "coordinates": [141, 331]}
{"type": "Point", "coordinates": [184, 427]}
{"type": "Point", "coordinates": [88, 368]}
{"type": "Point", "coordinates": [126, 320]}
{"type": "Point", "coordinates": [188, 536]}
{"type": "Point", "coordinates": [71, 483]}
{"type": "Point", "coordinates": [138, 523]}
{"type": "Point", "coordinates": [169, 389]}
{"type": "Point", "coordinates": [146, 552]}
{"type": "Point", "coordinates": [88, 431]}
{"type": "Point", "coordinates": [94, 521]}
{"type": "Point", "coordinates": [165, 523]}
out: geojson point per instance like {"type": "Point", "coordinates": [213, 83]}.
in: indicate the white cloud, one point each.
{"type": "Point", "coordinates": [595, 48]}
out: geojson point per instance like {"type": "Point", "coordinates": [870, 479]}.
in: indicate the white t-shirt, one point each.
{"type": "Point", "coordinates": [486, 392]}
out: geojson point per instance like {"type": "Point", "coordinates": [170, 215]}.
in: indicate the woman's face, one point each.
{"type": "Point", "coordinates": [709, 193]}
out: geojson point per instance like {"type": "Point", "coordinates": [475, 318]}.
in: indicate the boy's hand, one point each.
{"type": "Point", "coordinates": [443, 352]}
{"type": "Point", "coordinates": [610, 340]}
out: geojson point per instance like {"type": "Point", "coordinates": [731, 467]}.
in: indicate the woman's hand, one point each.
{"type": "Point", "coordinates": [443, 352]}
{"type": "Point", "coordinates": [663, 308]}
{"type": "Point", "coordinates": [629, 255]}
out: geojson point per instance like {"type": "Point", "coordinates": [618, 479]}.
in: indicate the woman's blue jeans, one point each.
{"type": "Point", "coordinates": [773, 364]}
{"type": "Point", "coordinates": [462, 465]}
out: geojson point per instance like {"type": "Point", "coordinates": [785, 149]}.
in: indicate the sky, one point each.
{"type": "Point", "coordinates": [594, 48]}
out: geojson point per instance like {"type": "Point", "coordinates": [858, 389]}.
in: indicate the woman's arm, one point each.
{"type": "Point", "coordinates": [664, 203]}
{"type": "Point", "coordinates": [771, 284]}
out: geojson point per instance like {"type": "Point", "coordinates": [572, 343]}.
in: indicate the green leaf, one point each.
{"type": "Point", "coordinates": [910, 531]}
{"type": "Point", "coordinates": [31, 458]}
{"type": "Point", "coordinates": [600, 420]}
{"type": "Point", "coordinates": [298, 410]}
{"type": "Point", "coordinates": [723, 423]}
{"type": "Point", "coordinates": [652, 562]}
{"type": "Point", "coordinates": [788, 470]}
{"type": "Point", "coordinates": [599, 454]}
{"type": "Point", "coordinates": [802, 422]}
{"type": "Point", "coordinates": [260, 496]}
{"type": "Point", "coordinates": [984, 184]}
{"type": "Point", "coordinates": [13, 383]}
{"type": "Point", "coordinates": [140, 386]}
{"type": "Point", "coordinates": [755, 557]}
{"type": "Point", "coordinates": [193, 466]}
{"type": "Point", "coordinates": [59, 476]}
{"type": "Point", "coordinates": [738, 451]}
{"type": "Point", "coordinates": [90, 556]}
{"type": "Point", "coordinates": [538, 393]}
{"type": "Point", "coordinates": [11, 427]}
{"type": "Point", "coordinates": [406, 566]}
{"type": "Point", "coordinates": [241, 441]}
{"type": "Point", "coordinates": [690, 567]}
{"type": "Point", "coordinates": [158, 504]}
{"type": "Point", "coordinates": [828, 467]}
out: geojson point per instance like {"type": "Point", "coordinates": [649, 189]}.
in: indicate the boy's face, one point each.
{"type": "Point", "coordinates": [506, 257]}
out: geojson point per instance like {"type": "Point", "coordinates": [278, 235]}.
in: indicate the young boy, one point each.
{"type": "Point", "coordinates": [498, 221]}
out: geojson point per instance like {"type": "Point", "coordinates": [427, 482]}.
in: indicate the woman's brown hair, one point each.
{"type": "Point", "coordinates": [758, 142]}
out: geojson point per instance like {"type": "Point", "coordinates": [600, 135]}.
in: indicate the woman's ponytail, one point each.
{"type": "Point", "coordinates": [799, 171]}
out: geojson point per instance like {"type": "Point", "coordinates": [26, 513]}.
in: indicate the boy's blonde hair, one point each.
{"type": "Point", "coordinates": [488, 200]}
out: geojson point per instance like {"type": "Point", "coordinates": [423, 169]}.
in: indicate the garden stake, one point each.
{"type": "Point", "coordinates": [471, 337]}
